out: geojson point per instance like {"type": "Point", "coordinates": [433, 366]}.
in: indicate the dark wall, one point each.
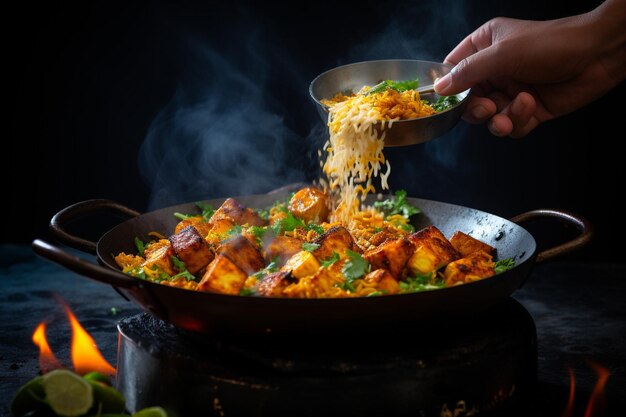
{"type": "Point", "coordinates": [217, 95]}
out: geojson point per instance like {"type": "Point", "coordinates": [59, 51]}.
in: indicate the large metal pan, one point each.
{"type": "Point", "coordinates": [350, 78]}
{"type": "Point", "coordinates": [210, 313]}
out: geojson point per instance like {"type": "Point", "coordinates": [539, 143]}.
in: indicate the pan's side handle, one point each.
{"type": "Point", "coordinates": [81, 266]}
{"type": "Point", "coordinates": [582, 224]}
{"type": "Point", "coordinates": [79, 210]}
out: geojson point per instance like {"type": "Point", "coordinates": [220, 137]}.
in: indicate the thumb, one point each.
{"type": "Point", "coordinates": [474, 69]}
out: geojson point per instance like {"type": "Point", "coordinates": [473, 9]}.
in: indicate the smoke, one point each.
{"type": "Point", "coordinates": [222, 133]}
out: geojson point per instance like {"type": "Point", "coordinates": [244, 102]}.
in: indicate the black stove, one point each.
{"type": "Point", "coordinates": [483, 363]}
{"type": "Point", "coordinates": [568, 317]}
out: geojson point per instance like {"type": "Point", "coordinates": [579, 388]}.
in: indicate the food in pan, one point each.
{"type": "Point", "coordinates": [354, 150]}
{"type": "Point", "coordinates": [295, 249]}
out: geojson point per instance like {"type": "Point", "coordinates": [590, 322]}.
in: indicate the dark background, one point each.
{"type": "Point", "coordinates": [155, 103]}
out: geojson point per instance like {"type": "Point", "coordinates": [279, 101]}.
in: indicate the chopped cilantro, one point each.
{"type": "Point", "coordinates": [264, 214]}
{"type": "Point", "coordinates": [182, 268]}
{"type": "Point", "coordinates": [397, 205]}
{"type": "Point", "coordinates": [504, 265]}
{"type": "Point", "coordinates": [316, 228]}
{"type": "Point", "coordinates": [207, 210]}
{"type": "Point", "coordinates": [421, 283]}
{"type": "Point", "coordinates": [445, 102]}
{"type": "Point", "coordinates": [234, 231]}
{"type": "Point", "coordinates": [271, 267]}
{"type": "Point", "coordinates": [287, 224]}
{"type": "Point", "coordinates": [330, 260]}
{"type": "Point", "coordinates": [246, 292]}
{"type": "Point", "coordinates": [398, 86]}
{"type": "Point", "coordinates": [138, 273]}
{"type": "Point", "coordinates": [141, 247]}
{"type": "Point", "coordinates": [355, 267]}
{"type": "Point", "coordinates": [377, 293]}
{"type": "Point", "coordinates": [310, 247]}
{"type": "Point", "coordinates": [181, 216]}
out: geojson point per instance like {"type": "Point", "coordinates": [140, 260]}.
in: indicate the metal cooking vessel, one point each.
{"type": "Point", "coordinates": [350, 78]}
{"type": "Point", "coordinates": [209, 313]}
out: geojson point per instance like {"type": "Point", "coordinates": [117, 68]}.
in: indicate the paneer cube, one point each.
{"type": "Point", "coordinates": [222, 276]}
{"type": "Point", "coordinates": [243, 253]}
{"type": "Point", "coordinates": [432, 251]}
{"type": "Point", "coordinates": [191, 248]}
{"type": "Point", "coordinates": [239, 214]}
{"type": "Point", "coordinates": [301, 264]}
{"type": "Point", "coordinates": [201, 225]}
{"type": "Point", "coordinates": [473, 267]}
{"type": "Point", "coordinates": [309, 204]}
{"type": "Point", "coordinates": [273, 284]}
{"type": "Point", "coordinates": [281, 248]}
{"type": "Point", "coordinates": [218, 230]}
{"type": "Point", "coordinates": [159, 256]}
{"type": "Point", "coordinates": [383, 280]}
{"type": "Point", "coordinates": [336, 239]}
{"type": "Point", "coordinates": [466, 244]}
{"type": "Point", "coordinates": [385, 234]}
{"type": "Point", "coordinates": [392, 255]}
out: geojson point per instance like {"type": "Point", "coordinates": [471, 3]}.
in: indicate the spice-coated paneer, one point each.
{"type": "Point", "coordinates": [336, 239]}
{"type": "Point", "coordinates": [281, 248]}
{"type": "Point", "coordinates": [222, 276]}
{"type": "Point", "coordinates": [301, 264]}
{"type": "Point", "coordinates": [310, 204]}
{"type": "Point", "coordinates": [201, 225]}
{"type": "Point", "coordinates": [273, 284]}
{"type": "Point", "coordinates": [475, 266]}
{"type": "Point", "coordinates": [383, 280]}
{"type": "Point", "coordinates": [465, 244]}
{"type": "Point", "coordinates": [244, 254]}
{"type": "Point", "coordinates": [191, 248]}
{"type": "Point", "coordinates": [432, 251]}
{"type": "Point", "coordinates": [385, 234]}
{"type": "Point", "coordinates": [241, 215]}
{"type": "Point", "coordinates": [159, 256]}
{"type": "Point", "coordinates": [391, 255]}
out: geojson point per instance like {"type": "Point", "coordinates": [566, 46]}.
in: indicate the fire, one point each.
{"type": "Point", "coordinates": [596, 399]}
{"type": "Point", "coordinates": [86, 356]}
{"type": "Point", "coordinates": [47, 360]}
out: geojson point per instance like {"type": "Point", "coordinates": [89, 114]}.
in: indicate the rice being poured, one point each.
{"type": "Point", "coordinates": [355, 146]}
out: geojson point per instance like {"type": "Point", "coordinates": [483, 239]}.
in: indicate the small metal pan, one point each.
{"type": "Point", "coordinates": [209, 313]}
{"type": "Point", "coordinates": [350, 78]}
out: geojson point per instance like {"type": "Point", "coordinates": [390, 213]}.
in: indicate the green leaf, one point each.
{"type": "Point", "coordinates": [141, 247]}
{"type": "Point", "coordinates": [271, 267]}
{"type": "Point", "coordinates": [420, 282]}
{"type": "Point", "coordinates": [330, 260]}
{"type": "Point", "coordinates": [445, 102]}
{"type": "Point", "coordinates": [181, 216]}
{"type": "Point", "coordinates": [504, 265]}
{"type": "Point", "coordinates": [182, 268]}
{"type": "Point", "coordinates": [247, 292]}
{"type": "Point", "coordinates": [207, 210]}
{"type": "Point", "coordinates": [287, 224]}
{"type": "Point", "coordinates": [355, 267]}
{"type": "Point", "coordinates": [234, 231]}
{"type": "Point", "coordinates": [315, 227]}
{"type": "Point", "coordinates": [309, 246]}
{"type": "Point", "coordinates": [397, 205]}
{"type": "Point", "coordinates": [399, 86]}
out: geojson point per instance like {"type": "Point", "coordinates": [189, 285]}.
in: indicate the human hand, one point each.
{"type": "Point", "coordinates": [524, 73]}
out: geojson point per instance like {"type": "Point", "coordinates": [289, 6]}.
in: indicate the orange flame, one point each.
{"type": "Point", "coordinates": [596, 400]}
{"type": "Point", "coordinates": [47, 360]}
{"type": "Point", "coordinates": [85, 354]}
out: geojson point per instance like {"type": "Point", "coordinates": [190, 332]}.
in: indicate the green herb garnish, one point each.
{"type": "Point", "coordinates": [398, 86]}
{"type": "Point", "coordinates": [420, 282]}
{"type": "Point", "coordinates": [247, 292]}
{"type": "Point", "coordinates": [207, 212]}
{"type": "Point", "coordinates": [397, 205]}
{"type": "Point", "coordinates": [445, 102]}
{"type": "Point", "coordinates": [315, 227]}
{"type": "Point", "coordinates": [271, 267]}
{"type": "Point", "coordinates": [182, 268]}
{"type": "Point", "coordinates": [330, 260]}
{"type": "Point", "coordinates": [309, 246]}
{"type": "Point", "coordinates": [504, 265]}
{"type": "Point", "coordinates": [355, 267]}
{"type": "Point", "coordinates": [141, 247]}
{"type": "Point", "coordinates": [287, 224]}
{"type": "Point", "coordinates": [234, 231]}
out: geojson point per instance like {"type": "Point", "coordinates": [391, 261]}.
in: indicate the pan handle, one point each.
{"type": "Point", "coordinates": [81, 266]}
{"type": "Point", "coordinates": [82, 209]}
{"type": "Point", "coordinates": [582, 224]}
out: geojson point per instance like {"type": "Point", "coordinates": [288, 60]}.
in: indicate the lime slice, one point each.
{"type": "Point", "coordinates": [107, 399]}
{"type": "Point", "coordinates": [97, 376]}
{"type": "Point", "coordinates": [68, 394]}
{"type": "Point", "coordinates": [29, 397]}
{"type": "Point", "coordinates": [150, 412]}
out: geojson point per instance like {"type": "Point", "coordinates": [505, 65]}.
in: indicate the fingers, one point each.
{"type": "Point", "coordinates": [504, 117]}
{"type": "Point", "coordinates": [516, 119]}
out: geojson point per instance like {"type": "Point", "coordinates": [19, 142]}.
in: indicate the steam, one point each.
{"type": "Point", "coordinates": [222, 134]}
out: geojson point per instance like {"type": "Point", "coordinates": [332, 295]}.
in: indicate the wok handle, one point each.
{"type": "Point", "coordinates": [80, 210]}
{"type": "Point", "coordinates": [582, 224]}
{"type": "Point", "coordinates": [81, 266]}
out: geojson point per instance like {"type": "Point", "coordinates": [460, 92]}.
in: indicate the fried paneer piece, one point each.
{"type": "Point", "coordinates": [391, 255]}
{"type": "Point", "coordinates": [473, 267]}
{"type": "Point", "coordinates": [336, 239]}
{"type": "Point", "coordinates": [159, 255]}
{"type": "Point", "coordinates": [385, 234]}
{"type": "Point", "coordinates": [302, 264]}
{"type": "Point", "coordinates": [432, 251]}
{"type": "Point", "coordinates": [281, 248]}
{"type": "Point", "coordinates": [239, 214]}
{"type": "Point", "coordinates": [198, 222]}
{"type": "Point", "coordinates": [243, 253]}
{"type": "Point", "coordinates": [465, 244]}
{"type": "Point", "coordinates": [222, 276]}
{"type": "Point", "coordinates": [383, 280]}
{"type": "Point", "coordinates": [310, 204]}
{"type": "Point", "coordinates": [273, 284]}
{"type": "Point", "coordinates": [191, 248]}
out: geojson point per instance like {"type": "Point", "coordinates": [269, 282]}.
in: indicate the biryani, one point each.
{"type": "Point", "coordinates": [321, 242]}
